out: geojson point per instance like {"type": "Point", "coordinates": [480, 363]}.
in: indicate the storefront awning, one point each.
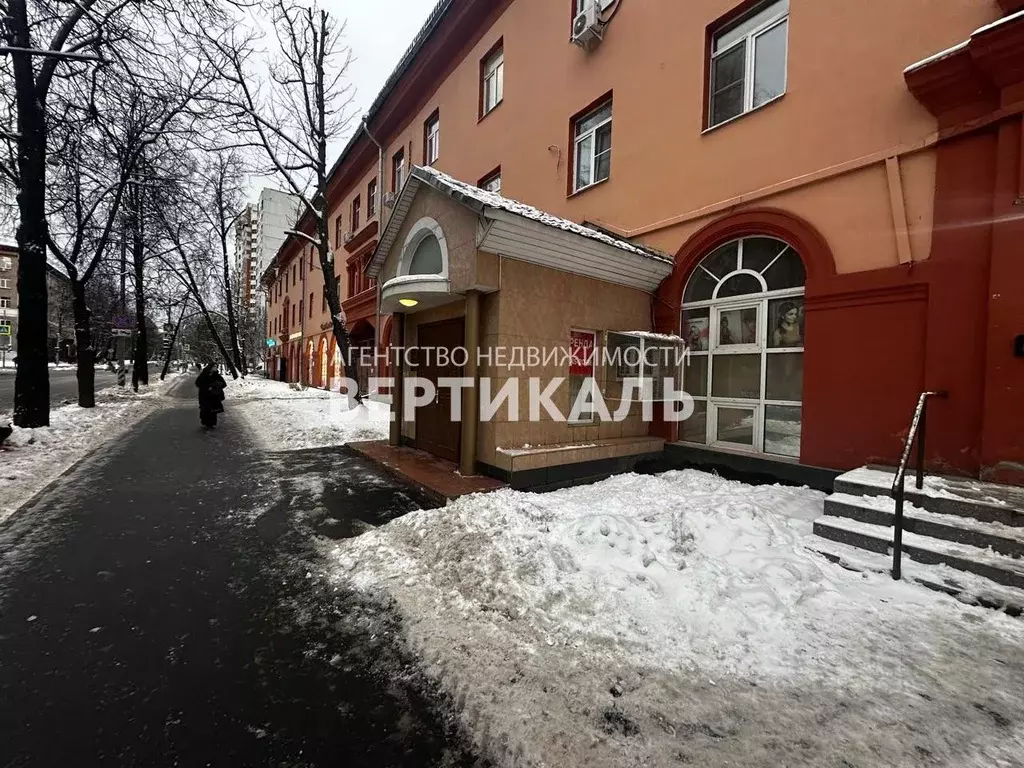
{"type": "Point", "coordinates": [517, 231]}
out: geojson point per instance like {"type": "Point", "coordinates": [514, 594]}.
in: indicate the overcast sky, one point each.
{"type": "Point", "coordinates": [379, 32]}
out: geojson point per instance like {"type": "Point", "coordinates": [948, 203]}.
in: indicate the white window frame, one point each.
{"type": "Point", "coordinates": [494, 81]}
{"type": "Point", "coordinates": [602, 5]}
{"type": "Point", "coordinates": [749, 41]}
{"type": "Point", "coordinates": [589, 417]}
{"type": "Point", "coordinates": [5, 263]}
{"type": "Point", "coordinates": [5, 303]}
{"type": "Point", "coordinates": [582, 137]}
{"type": "Point", "coordinates": [433, 139]}
{"type": "Point", "coordinates": [398, 170]}
{"type": "Point", "coordinates": [5, 282]}
{"type": "Point", "coordinates": [715, 307]}
{"type": "Point", "coordinates": [492, 184]}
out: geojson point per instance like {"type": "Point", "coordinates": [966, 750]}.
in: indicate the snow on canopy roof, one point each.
{"type": "Point", "coordinates": [1019, 15]}
{"type": "Point", "coordinates": [440, 181]}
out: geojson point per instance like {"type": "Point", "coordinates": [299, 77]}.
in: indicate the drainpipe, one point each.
{"type": "Point", "coordinates": [303, 309]}
{"type": "Point", "coordinates": [379, 207]}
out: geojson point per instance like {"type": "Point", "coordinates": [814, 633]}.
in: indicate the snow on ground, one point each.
{"type": "Point", "coordinates": [681, 619]}
{"type": "Point", "coordinates": [30, 459]}
{"type": "Point", "coordinates": [287, 419]}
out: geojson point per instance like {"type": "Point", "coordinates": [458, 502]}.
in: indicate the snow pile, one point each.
{"type": "Point", "coordinates": [286, 419]}
{"type": "Point", "coordinates": [589, 626]}
{"type": "Point", "coordinates": [30, 459]}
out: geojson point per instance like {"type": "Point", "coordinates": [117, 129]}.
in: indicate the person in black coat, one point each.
{"type": "Point", "coordinates": [211, 395]}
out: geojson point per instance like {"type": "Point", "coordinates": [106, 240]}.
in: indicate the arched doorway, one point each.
{"type": "Point", "coordinates": [322, 380]}
{"type": "Point", "coordinates": [336, 367]}
{"type": "Point", "coordinates": [743, 319]}
{"type": "Point", "coordinates": [310, 364]}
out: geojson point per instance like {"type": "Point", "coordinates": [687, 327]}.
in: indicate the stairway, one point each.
{"type": "Point", "coordinates": [960, 536]}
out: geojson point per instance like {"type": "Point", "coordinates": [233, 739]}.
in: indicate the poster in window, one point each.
{"type": "Point", "coordinates": [737, 326]}
{"type": "Point", "coordinates": [695, 331]}
{"type": "Point", "coordinates": [581, 349]}
{"type": "Point", "coordinates": [786, 323]}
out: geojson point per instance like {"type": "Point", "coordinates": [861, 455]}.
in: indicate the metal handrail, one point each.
{"type": "Point", "coordinates": [917, 429]}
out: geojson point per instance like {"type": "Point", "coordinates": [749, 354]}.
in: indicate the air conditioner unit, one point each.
{"type": "Point", "coordinates": [348, 237]}
{"type": "Point", "coordinates": [389, 199]}
{"type": "Point", "coordinates": [587, 28]}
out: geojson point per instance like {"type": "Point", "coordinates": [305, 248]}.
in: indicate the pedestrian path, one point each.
{"type": "Point", "coordinates": [155, 610]}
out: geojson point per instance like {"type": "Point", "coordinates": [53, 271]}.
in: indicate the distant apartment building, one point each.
{"type": "Point", "coordinates": [8, 297]}
{"type": "Point", "coordinates": [259, 231]}
{"type": "Point", "coordinates": [60, 312]}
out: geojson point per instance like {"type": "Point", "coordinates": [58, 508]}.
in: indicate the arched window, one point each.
{"type": "Point", "coordinates": [425, 251]}
{"type": "Point", "coordinates": [427, 258]}
{"type": "Point", "coordinates": [743, 321]}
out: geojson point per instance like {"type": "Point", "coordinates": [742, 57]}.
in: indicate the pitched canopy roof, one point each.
{"type": "Point", "coordinates": [520, 231]}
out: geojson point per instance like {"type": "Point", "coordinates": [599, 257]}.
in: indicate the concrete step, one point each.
{"type": "Point", "coordinates": [1001, 569]}
{"type": "Point", "coordinates": [881, 510]}
{"type": "Point", "coordinates": [966, 587]}
{"type": "Point", "coordinates": [957, 496]}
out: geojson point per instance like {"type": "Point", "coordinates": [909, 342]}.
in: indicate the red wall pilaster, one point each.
{"type": "Point", "coordinates": [1002, 449]}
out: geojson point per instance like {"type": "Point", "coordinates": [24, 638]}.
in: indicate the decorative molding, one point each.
{"type": "Point", "coordinates": [365, 234]}
{"type": "Point", "coordinates": [971, 75]}
{"type": "Point", "coordinates": [899, 210]}
{"type": "Point", "coordinates": [892, 293]}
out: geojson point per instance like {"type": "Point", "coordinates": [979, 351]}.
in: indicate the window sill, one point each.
{"type": "Point", "coordinates": [740, 116]}
{"type": "Point", "coordinates": [489, 112]}
{"type": "Point", "coordinates": [587, 188]}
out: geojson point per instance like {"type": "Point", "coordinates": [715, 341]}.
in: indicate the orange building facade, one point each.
{"type": "Point", "coordinates": [839, 188]}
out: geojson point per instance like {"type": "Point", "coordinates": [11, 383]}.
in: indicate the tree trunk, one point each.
{"type": "Point", "coordinates": [140, 366]}
{"type": "Point", "coordinates": [232, 323]}
{"type": "Point", "coordinates": [83, 340]}
{"type": "Point", "coordinates": [32, 379]}
{"type": "Point", "coordinates": [174, 338]}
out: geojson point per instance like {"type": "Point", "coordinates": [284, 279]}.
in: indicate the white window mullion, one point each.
{"type": "Point", "coordinates": [748, 75]}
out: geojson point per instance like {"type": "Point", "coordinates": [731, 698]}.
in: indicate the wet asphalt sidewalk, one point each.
{"type": "Point", "coordinates": [158, 607]}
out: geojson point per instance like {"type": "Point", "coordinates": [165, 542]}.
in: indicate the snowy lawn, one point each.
{"type": "Point", "coordinates": [680, 619]}
{"type": "Point", "coordinates": [30, 459]}
{"type": "Point", "coordinates": [286, 419]}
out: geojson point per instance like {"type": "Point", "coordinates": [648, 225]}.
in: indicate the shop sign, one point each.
{"type": "Point", "coordinates": [581, 350]}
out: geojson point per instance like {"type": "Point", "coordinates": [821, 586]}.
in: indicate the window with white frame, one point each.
{"type": "Point", "coordinates": [5, 282]}
{"type": "Point", "coordinates": [5, 263]}
{"type": "Point", "coordinates": [648, 359]}
{"type": "Point", "coordinates": [398, 171]}
{"type": "Point", "coordinates": [432, 139]}
{"type": "Point", "coordinates": [743, 322]}
{"type": "Point", "coordinates": [493, 80]}
{"type": "Point", "coordinates": [492, 182]}
{"type": "Point", "coordinates": [5, 303]}
{"type": "Point", "coordinates": [5, 325]}
{"type": "Point", "coordinates": [748, 62]}
{"type": "Point", "coordinates": [583, 355]}
{"type": "Point", "coordinates": [592, 155]}
{"type": "Point", "coordinates": [602, 5]}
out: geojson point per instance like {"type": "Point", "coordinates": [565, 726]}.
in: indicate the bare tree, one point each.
{"type": "Point", "coordinates": [105, 150]}
{"type": "Point", "coordinates": [192, 253]}
{"type": "Point", "coordinates": [53, 60]}
{"type": "Point", "coordinates": [223, 177]}
{"type": "Point", "coordinates": [292, 115]}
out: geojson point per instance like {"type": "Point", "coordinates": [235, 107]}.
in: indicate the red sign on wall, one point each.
{"type": "Point", "coordinates": [581, 348]}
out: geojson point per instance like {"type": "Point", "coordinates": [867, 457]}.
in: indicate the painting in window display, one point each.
{"type": "Point", "coordinates": [738, 326]}
{"type": "Point", "coordinates": [695, 331]}
{"type": "Point", "coordinates": [786, 317]}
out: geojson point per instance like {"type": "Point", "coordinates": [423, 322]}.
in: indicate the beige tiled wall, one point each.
{"type": "Point", "coordinates": [538, 307]}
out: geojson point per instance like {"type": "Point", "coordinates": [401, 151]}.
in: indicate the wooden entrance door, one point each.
{"type": "Point", "coordinates": [435, 430]}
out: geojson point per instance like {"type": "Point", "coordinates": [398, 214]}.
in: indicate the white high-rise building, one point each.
{"type": "Point", "coordinates": [259, 232]}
